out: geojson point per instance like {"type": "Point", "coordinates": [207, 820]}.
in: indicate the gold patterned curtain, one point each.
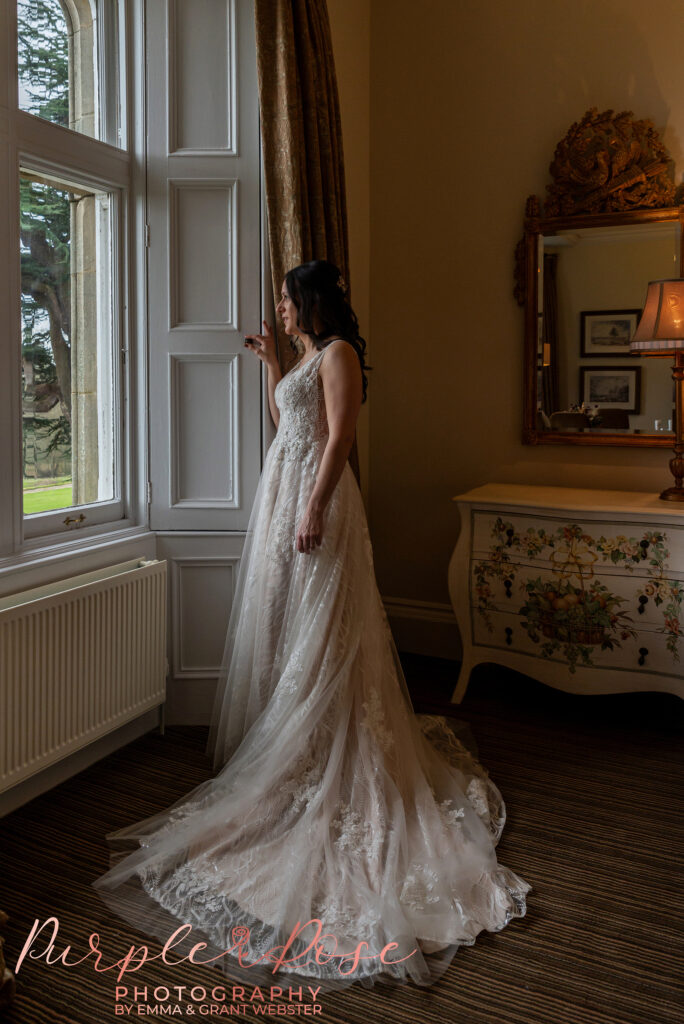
{"type": "Point", "coordinates": [301, 135]}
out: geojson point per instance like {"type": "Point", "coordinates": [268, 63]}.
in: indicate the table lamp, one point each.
{"type": "Point", "coordinates": [660, 332]}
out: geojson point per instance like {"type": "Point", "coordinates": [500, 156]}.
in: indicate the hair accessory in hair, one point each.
{"type": "Point", "coordinates": [342, 284]}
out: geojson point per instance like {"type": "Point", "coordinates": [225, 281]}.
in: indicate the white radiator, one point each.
{"type": "Point", "coordinates": [78, 658]}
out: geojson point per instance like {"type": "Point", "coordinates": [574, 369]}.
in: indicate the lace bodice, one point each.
{"type": "Point", "coordinates": [303, 426]}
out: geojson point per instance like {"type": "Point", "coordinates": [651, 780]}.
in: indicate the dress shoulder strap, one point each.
{"type": "Point", "coordinates": [319, 355]}
{"type": "Point", "coordinates": [326, 347]}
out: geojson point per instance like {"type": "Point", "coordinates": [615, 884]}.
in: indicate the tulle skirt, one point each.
{"type": "Point", "coordinates": [344, 838]}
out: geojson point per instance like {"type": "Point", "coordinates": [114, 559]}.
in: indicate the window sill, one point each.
{"type": "Point", "coordinates": [49, 553]}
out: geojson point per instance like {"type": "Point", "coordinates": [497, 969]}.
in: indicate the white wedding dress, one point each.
{"type": "Point", "coordinates": [333, 801]}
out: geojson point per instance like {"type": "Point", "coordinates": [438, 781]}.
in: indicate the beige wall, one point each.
{"type": "Point", "coordinates": [467, 102]}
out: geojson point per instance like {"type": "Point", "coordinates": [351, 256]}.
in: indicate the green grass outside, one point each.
{"type": "Point", "coordinates": [46, 501]}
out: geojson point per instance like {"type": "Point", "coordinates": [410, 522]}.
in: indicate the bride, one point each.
{"type": "Point", "coordinates": [343, 838]}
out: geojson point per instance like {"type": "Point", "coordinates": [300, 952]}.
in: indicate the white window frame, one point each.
{"type": "Point", "coordinates": [36, 144]}
{"type": "Point", "coordinates": [52, 522]}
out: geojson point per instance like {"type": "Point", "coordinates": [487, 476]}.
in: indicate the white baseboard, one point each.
{"type": "Point", "coordinates": [76, 762]}
{"type": "Point", "coordinates": [424, 627]}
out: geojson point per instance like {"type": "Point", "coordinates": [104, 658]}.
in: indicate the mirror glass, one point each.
{"type": "Point", "coordinates": [592, 285]}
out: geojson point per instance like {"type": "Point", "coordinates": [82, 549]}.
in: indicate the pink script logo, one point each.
{"type": "Point", "coordinates": [136, 957]}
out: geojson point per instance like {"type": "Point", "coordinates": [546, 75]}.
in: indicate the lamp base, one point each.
{"type": "Point", "coordinates": [673, 494]}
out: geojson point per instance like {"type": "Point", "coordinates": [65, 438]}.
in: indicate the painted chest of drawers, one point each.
{"type": "Point", "coordinates": [583, 590]}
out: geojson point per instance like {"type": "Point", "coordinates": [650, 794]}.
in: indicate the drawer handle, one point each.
{"type": "Point", "coordinates": [509, 635]}
{"type": "Point", "coordinates": [643, 651]}
{"type": "Point", "coordinates": [643, 601]}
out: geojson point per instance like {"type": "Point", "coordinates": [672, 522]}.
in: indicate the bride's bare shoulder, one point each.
{"type": "Point", "coordinates": [341, 360]}
{"type": "Point", "coordinates": [340, 349]}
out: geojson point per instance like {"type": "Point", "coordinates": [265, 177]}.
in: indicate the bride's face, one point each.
{"type": "Point", "coordinates": [287, 311]}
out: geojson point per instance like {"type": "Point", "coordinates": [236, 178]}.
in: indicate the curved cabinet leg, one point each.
{"type": "Point", "coordinates": [459, 592]}
{"type": "Point", "coordinates": [463, 680]}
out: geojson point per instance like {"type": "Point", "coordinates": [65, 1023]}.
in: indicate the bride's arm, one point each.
{"type": "Point", "coordinates": [340, 372]}
{"type": "Point", "coordinates": [274, 375]}
{"type": "Point", "coordinates": [264, 347]}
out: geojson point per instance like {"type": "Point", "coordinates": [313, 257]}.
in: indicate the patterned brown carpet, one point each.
{"type": "Point", "coordinates": [595, 800]}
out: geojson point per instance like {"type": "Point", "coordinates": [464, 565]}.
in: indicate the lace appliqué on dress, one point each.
{"type": "Point", "coordinates": [477, 794]}
{"type": "Point", "coordinates": [418, 889]}
{"type": "Point", "coordinates": [450, 816]}
{"type": "Point", "coordinates": [356, 835]}
{"type": "Point", "coordinates": [305, 781]}
{"type": "Point", "coordinates": [374, 720]}
{"type": "Point", "coordinates": [289, 682]}
{"type": "Point", "coordinates": [488, 804]}
{"type": "Point", "coordinates": [343, 920]}
{"type": "Point", "coordinates": [282, 535]}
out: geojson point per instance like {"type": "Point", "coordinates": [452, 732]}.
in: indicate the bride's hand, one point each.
{"type": "Point", "coordinates": [310, 531]}
{"type": "Point", "coordinates": [263, 345]}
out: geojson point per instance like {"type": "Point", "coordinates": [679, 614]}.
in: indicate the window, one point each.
{"type": "Point", "coordinates": [68, 65]}
{"type": "Point", "coordinates": [43, 59]}
{"type": "Point", "coordinates": [67, 226]}
{"type": "Point", "coordinates": [68, 365]}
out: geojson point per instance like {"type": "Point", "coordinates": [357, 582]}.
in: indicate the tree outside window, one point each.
{"type": "Point", "coordinates": [66, 277]}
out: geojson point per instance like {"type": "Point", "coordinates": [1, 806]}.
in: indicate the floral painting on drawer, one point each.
{"type": "Point", "coordinates": [576, 594]}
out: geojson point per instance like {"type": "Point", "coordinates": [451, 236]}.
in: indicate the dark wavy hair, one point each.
{"type": "Point", "coordinates": [314, 289]}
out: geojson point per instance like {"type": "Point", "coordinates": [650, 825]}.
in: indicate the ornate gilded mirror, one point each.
{"type": "Point", "coordinates": [609, 225]}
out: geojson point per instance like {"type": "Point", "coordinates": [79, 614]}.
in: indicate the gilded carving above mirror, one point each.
{"type": "Point", "coordinates": [609, 225]}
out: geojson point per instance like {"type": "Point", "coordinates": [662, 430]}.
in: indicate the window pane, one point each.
{"type": "Point", "coordinates": [65, 76]}
{"type": "Point", "coordinates": [67, 345]}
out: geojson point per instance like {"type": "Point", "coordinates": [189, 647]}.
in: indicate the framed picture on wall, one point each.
{"type": "Point", "coordinates": [607, 332]}
{"type": "Point", "coordinates": [611, 387]}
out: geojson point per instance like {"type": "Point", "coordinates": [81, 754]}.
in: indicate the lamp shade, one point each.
{"type": "Point", "coordinates": [661, 328]}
